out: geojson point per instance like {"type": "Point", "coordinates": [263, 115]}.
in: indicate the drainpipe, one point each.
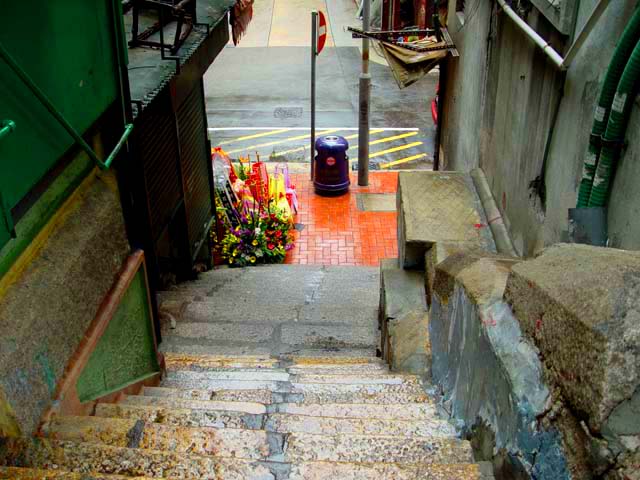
{"type": "Point", "coordinates": [555, 57]}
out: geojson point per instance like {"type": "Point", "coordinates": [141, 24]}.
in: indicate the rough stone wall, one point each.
{"type": "Point", "coordinates": [501, 95]}
{"type": "Point", "coordinates": [45, 312]}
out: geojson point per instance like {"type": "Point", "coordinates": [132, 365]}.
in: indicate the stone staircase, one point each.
{"type": "Point", "coordinates": [271, 373]}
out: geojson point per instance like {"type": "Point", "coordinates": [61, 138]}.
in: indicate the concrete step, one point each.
{"type": "Point", "coordinates": [253, 396]}
{"type": "Point", "coordinates": [302, 393]}
{"type": "Point", "coordinates": [216, 385]}
{"type": "Point", "coordinates": [381, 378]}
{"type": "Point", "coordinates": [408, 411]}
{"type": "Point", "coordinates": [17, 473]}
{"type": "Point", "coordinates": [286, 423]}
{"type": "Point", "coordinates": [436, 207]}
{"type": "Point", "coordinates": [130, 433]}
{"type": "Point", "coordinates": [304, 447]}
{"type": "Point", "coordinates": [251, 408]}
{"type": "Point", "coordinates": [91, 457]}
{"type": "Point", "coordinates": [356, 369]}
{"type": "Point", "coordinates": [377, 471]}
{"type": "Point", "coordinates": [260, 375]}
{"type": "Point", "coordinates": [177, 361]}
{"type": "Point", "coordinates": [357, 393]}
{"type": "Point", "coordinates": [182, 417]}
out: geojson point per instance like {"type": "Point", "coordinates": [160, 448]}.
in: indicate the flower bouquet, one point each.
{"type": "Point", "coordinates": [256, 216]}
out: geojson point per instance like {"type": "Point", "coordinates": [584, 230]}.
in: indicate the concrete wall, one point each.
{"type": "Point", "coordinates": [52, 293]}
{"type": "Point", "coordinates": [501, 96]}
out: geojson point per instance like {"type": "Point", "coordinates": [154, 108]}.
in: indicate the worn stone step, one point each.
{"type": "Point", "coordinates": [356, 393]}
{"type": "Point", "coordinates": [263, 375]}
{"type": "Point", "coordinates": [286, 423]}
{"type": "Point", "coordinates": [407, 411]}
{"type": "Point", "coordinates": [357, 369]}
{"type": "Point", "coordinates": [183, 417]}
{"type": "Point", "coordinates": [252, 408]}
{"type": "Point", "coordinates": [255, 396]}
{"type": "Point", "coordinates": [195, 383]}
{"type": "Point", "coordinates": [18, 473]}
{"type": "Point", "coordinates": [320, 358]}
{"type": "Point", "coordinates": [382, 378]}
{"type": "Point", "coordinates": [178, 361]}
{"type": "Point", "coordinates": [330, 336]}
{"type": "Point", "coordinates": [193, 346]}
{"type": "Point", "coordinates": [305, 447]}
{"type": "Point", "coordinates": [91, 457]}
{"type": "Point", "coordinates": [377, 471]}
{"type": "Point", "coordinates": [130, 433]}
{"type": "Point", "coordinates": [302, 393]}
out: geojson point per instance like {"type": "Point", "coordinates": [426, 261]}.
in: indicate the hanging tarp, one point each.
{"type": "Point", "coordinates": [409, 66]}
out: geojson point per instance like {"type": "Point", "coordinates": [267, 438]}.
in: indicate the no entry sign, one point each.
{"type": "Point", "coordinates": [322, 32]}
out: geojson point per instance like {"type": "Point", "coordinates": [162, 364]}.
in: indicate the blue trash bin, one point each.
{"type": "Point", "coordinates": [331, 165]}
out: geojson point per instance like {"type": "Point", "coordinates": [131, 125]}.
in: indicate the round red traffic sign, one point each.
{"type": "Point", "coordinates": [331, 161]}
{"type": "Point", "coordinates": [322, 32]}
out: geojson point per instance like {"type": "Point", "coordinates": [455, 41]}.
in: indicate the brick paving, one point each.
{"type": "Point", "coordinates": [335, 232]}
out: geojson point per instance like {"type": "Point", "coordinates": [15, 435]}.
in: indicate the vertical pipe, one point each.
{"type": "Point", "coordinates": [364, 102]}
{"type": "Point", "coordinates": [314, 45]}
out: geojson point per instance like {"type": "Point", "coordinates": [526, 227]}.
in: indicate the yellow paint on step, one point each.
{"type": "Point", "coordinates": [403, 160]}
{"type": "Point", "coordinates": [395, 149]}
{"type": "Point", "coordinates": [257, 135]}
{"type": "Point", "coordinates": [277, 142]}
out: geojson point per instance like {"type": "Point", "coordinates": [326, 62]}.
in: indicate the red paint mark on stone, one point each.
{"type": "Point", "coordinates": [538, 324]}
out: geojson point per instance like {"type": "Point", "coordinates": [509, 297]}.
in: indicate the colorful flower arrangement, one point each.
{"type": "Point", "coordinates": [261, 237]}
{"type": "Point", "coordinates": [255, 212]}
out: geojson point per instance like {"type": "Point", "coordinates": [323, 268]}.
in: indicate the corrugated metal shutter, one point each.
{"type": "Point", "coordinates": [159, 155]}
{"type": "Point", "coordinates": [195, 159]}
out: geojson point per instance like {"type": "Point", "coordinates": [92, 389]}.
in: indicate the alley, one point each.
{"type": "Point", "coordinates": [258, 93]}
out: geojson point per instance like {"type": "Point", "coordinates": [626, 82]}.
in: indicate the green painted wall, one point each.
{"type": "Point", "coordinates": [67, 48]}
{"type": "Point", "coordinates": [125, 354]}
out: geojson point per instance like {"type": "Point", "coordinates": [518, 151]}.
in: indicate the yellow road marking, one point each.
{"type": "Point", "coordinates": [284, 140]}
{"type": "Point", "coordinates": [349, 137]}
{"type": "Point", "coordinates": [395, 149]}
{"type": "Point", "coordinates": [395, 137]}
{"type": "Point", "coordinates": [403, 160]}
{"type": "Point", "coordinates": [257, 135]}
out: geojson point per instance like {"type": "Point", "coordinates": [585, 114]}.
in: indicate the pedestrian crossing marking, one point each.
{"type": "Point", "coordinates": [276, 142]}
{"type": "Point", "coordinates": [403, 160]}
{"type": "Point", "coordinates": [395, 149]}
{"type": "Point", "coordinates": [257, 135]}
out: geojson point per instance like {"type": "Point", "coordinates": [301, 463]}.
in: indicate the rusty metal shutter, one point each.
{"type": "Point", "coordinates": [195, 161]}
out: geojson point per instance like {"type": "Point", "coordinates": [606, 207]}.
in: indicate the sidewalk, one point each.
{"type": "Point", "coordinates": [335, 231]}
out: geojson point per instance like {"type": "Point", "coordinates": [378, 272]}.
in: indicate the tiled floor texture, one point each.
{"type": "Point", "coordinates": [335, 232]}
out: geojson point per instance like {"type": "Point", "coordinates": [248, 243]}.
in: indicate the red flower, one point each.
{"type": "Point", "coordinates": [278, 233]}
{"type": "Point", "coordinates": [271, 246]}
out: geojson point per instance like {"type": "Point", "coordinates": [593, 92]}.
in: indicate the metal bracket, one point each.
{"type": "Point", "coordinates": [6, 127]}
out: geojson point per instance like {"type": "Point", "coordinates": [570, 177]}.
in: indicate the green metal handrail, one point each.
{"type": "Point", "coordinates": [6, 127]}
{"type": "Point", "coordinates": [58, 116]}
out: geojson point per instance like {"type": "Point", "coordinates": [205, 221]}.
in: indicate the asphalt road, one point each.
{"type": "Point", "coordinates": [258, 94]}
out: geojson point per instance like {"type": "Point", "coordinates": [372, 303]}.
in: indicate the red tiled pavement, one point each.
{"type": "Point", "coordinates": [337, 233]}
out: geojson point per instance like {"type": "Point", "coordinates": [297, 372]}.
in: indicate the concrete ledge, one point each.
{"type": "Point", "coordinates": [436, 207]}
{"type": "Point", "coordinates": [404, 320]}
{"type": "Point", "coordinates": [489, 375]}
{"type": "Point", "coordinates": [579, 304]}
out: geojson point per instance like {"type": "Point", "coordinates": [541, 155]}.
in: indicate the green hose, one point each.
{"type": "Point", "coordinates": [613, 137]}
{"type": "Point", "coordinates": [618, 62]}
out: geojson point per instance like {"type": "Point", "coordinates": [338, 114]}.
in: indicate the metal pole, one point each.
{"type": "Point", "coordinates": [365, 96]}
{"type": "Point", "coordinates": [314, 45]}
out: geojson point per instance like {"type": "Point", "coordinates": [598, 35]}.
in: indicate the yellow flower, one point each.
{"type": "Point", "coordinates": [235, 253]}
{"type": "Point", "coordinates": [252, 259]}
{"type": "Point", "coordinates": [254, 243]}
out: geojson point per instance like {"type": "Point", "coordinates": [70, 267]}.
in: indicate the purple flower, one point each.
{"type": "Point", "coordinates": [289, 246]}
